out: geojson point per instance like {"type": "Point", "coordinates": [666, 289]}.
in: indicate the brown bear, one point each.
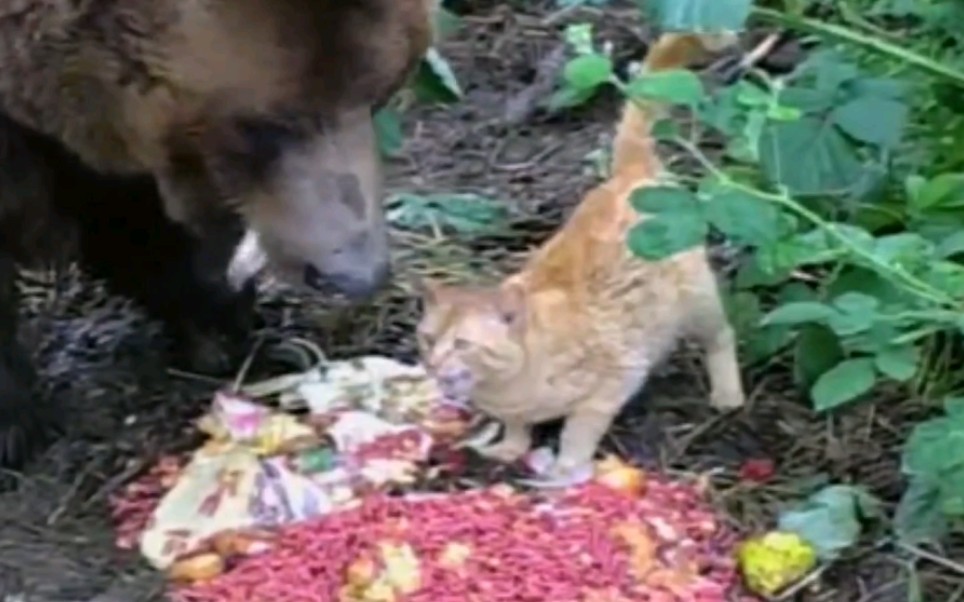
{"type": "Point", "coordinates": [147, 136]}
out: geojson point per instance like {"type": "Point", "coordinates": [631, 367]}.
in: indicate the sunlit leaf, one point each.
{"type": "Point", "coordinates": [588, 71]}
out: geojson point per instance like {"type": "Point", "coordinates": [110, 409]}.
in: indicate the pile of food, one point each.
{"type": "Point", "coordinates": [591, 543]}
{"type": "Point", "coordinates": [327, 506]}
{"type": "Point", "coordinates": [370, 425]}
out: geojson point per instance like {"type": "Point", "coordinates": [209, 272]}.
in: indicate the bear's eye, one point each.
{"type": "Point", "coordinates": [263, 141]}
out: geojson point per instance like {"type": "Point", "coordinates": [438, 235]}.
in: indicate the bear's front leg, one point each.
{"type": "Point", "coordinates": [180, 279]}
{"type": "Point", "coordinates": [212, 319]}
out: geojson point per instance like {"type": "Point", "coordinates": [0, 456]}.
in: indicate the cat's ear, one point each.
{"type": "Point", "coordinates": [511, 303]}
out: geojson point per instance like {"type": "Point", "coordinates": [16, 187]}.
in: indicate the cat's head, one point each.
{"type": "Point", "coordinates": [471, 337]}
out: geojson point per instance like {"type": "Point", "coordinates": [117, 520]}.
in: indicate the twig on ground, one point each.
{"type": "Point", "coordinates": [117, 481]}
{"type": "Point", "coordinates": [947, 563]}
{"type": "Point", "coordinates": [246, 366]}
{"type": "Point", "coordinates": [523, 105]}
{"type": "Point", "coordinates": [801, 585]}
{"type": "Point", "coordinates": [730, 70]}
{"type": "Point", "coordinates": [64, 503]}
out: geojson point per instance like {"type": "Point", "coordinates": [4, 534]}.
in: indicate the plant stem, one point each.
{"type": "Point", "coordinates": [853, 37]}
{"type": "Point", "coordinates": [919, 287]}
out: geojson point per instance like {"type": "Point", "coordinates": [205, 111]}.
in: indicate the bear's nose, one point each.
{"type": "Point", "coordinates": [354, 284]}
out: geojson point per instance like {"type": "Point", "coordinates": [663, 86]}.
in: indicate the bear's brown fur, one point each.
{"type": "Point", "coordinates": [223, 115]}
{"type": "Point", "coordinates": [259, 105]}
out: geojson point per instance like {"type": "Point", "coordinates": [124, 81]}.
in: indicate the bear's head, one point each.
{"type": "Point", "coordinates": [283, 134]}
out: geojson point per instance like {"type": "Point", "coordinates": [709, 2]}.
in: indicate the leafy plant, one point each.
{"type": "Point", "coordinates": [853, 244]}
{"type": "Point", "coordinates": [934, 499]}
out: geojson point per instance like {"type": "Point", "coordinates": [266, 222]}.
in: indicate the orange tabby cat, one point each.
{"type": "Point", "coordinates": [577, 331]}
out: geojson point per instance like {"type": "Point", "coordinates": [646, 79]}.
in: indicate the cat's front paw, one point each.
{"type": "Point", "coordinates": [570, 470]}
{"type": "Point", "coordinates": [562, 474]}
{"type": "Point", "coordinates": [506, 451]}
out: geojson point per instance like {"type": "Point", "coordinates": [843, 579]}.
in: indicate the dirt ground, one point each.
{"type": "Point", "coordinates": [124, 407]}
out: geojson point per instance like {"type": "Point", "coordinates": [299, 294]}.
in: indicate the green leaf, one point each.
{"type": "Point", "coordinates": [816, 351]}
{"type": "Point", "coordinates": [856, 312]}
{"type": "Point", "coordinates": [751, 274]}
{"type": "Point", "coordinates": [666, 129]}
{"type": "Point", "coordinates": [918, 518]}
{"type": "Point", "coordinates": [567, 98]}
{"type": "Point", "coordinates": [952, 494]}
{"type": "Point", "coordinates": [579, 37]}
{"type": "Point", "coordinates": [854, 302]}
{"type": "Point", "coordinates": [765, 343]}
{"type": "Point", "coordinates": [810, 157]}
{"type": "Point", "coordinates": [743, 310]}
{"type": "Point", "coordinates": [675, 86]}
{"type": "Point", "coordinates": [951, 246]}
{"type": "Point", "coordinates": [954, 407]}
{"type": "Point", "coordinates": [660, 237]}
{"type": "Point", "coordinates": [750, 94]}
{"type": "Point", "coordinates": [868, 282]}
{"type": "Point", "coordinates": [446, 22]}
{"type": "Point", "coordinates": [675, 222]}
{"type": "Point", "coordinates": [899, 362]}
{"type": "Point", "coordinates": [844, 382]}
{"type": "Point", "coordinates": [856, 236]}
{"type": "Point", "coordinates": [698, 15]}
{"type": "Point", "coordinates": [588, 71]}
{"type": "Point", "coordinates": [872, 119]}
{"type": "Point", "coordinates": [933, 447]}
{"type": "Point", "coordinates": [905, 248]}
{"type": "Point", "coordinates": [778, 112]}
{"type": "Point", "coordinates": [463, 213]}
{"type": "Point", "coordinates": [746, 218]}
{"type": "Point", "coordinates": [944, 191]}
{"type": "Point", "coordinates": [653, 200]}
{"type": "Point", "coordinates": [830, 520]}
{"type": "Point", "coordinates": [831, 71]}
{"type": "Point", "coordinates": [435, 80]}
{"type": "Point", "coordinates": [809, 248]}
{"type": "Point", "coordinates": [796, 291]}
{"type": "Point", "coordinates": [945, 276]}
{"type": "Point", "coordinates": [799, 313]}
{"type": "Point", "coordinates": [388, 130]}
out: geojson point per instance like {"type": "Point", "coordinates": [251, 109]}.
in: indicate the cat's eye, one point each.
{"type": "Point", "coordinates": [460, 344]}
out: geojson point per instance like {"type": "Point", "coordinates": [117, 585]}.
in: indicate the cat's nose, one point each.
{"type": "Point", "coordinates": [453, 380]}
{"type": "Point", "coordinates": [448, 380]}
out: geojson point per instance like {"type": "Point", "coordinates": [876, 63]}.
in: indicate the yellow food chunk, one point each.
{"type": "Point", "coordinates": [774, 560]}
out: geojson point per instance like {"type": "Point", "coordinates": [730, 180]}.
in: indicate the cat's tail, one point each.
{"type": "Point", "coordinates": [634, 149]}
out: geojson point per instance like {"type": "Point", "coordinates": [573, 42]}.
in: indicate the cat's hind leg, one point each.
{"type": "Point", "coordinates": [712, 329]}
